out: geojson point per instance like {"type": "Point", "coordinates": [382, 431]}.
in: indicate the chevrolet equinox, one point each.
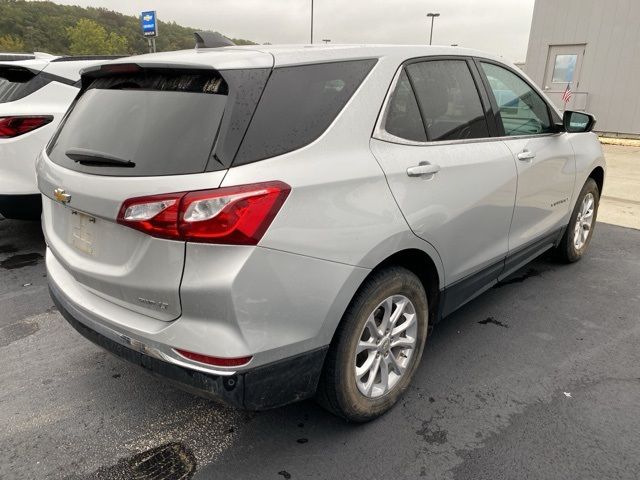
{"type": "Point", "coordinates": [266, 224]}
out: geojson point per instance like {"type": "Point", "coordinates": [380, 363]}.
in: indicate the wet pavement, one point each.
{"type": "Point", "coordinates": [539, 378]}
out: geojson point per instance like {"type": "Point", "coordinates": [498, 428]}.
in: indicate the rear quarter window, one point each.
{"type": "Point", "coordinates": [403, 118]}
{"type": "Point", "coordinates": [16, 83]}
{"type": "Point", "coordinates": [298, 104]}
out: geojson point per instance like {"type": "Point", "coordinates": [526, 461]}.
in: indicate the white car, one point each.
{"type": "Point", "coordinates": [34, 95]}
{"type": "Point", "coordinates": [16, 56]}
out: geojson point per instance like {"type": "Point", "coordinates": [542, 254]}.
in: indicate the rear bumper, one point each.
{"type": "Point", "coordinates": [21, 207]}
{"type": "Point", "coordinates": [268, 386]}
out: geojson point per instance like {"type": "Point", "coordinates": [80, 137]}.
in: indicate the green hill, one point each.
{"type": "Point", "coordinates": [45, 27]}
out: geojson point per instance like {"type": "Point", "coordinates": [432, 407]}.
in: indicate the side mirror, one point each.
{"type": "Point", "coordinates": [578, 122]}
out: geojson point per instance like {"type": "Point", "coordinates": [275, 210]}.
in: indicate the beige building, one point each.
{"type": "Point", "coordinates": [593, 46]}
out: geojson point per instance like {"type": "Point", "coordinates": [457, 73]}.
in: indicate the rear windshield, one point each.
{"type": "Point", "coordinates": [17, 83]}
{"type": "Point", "coordinates": [298, 105]}
{"type": "Point", "coordinates": [143, 124]}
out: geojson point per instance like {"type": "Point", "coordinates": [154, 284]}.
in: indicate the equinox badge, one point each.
{"type": "Point", "coordinates": [61, 196]}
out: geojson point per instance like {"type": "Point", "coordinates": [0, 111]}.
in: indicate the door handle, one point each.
{"type": "Point", "coordinates": [425, 168]}
{"type": "Point", "coordinates": [526, 155]}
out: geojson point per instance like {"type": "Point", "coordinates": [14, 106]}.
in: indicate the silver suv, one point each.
{"type": "Point", "coordinates": [267, 224]}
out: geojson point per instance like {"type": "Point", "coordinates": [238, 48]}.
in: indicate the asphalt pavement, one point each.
{"type": "Point", "coordinates": [538, 378]}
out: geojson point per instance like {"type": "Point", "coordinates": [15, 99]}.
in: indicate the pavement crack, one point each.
{"type": "Point", "coordinates": [488, 320]}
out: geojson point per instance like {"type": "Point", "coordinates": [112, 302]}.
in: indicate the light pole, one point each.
{"type": "Point", "coordinates": [311, 21]}
{"type": "Point", "coordinates": [433, 16]}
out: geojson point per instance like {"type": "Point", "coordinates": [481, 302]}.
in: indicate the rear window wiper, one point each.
{"type": "Point", "coordinates": [97, 159]}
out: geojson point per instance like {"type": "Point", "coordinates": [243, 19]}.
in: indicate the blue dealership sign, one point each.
{"type": "Point", "coordinates": [149, 24]}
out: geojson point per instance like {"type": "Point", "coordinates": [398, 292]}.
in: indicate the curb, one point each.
{"type": "Point", "coordinates": [625, 142]}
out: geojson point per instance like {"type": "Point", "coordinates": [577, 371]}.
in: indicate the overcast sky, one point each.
{"type": "Point", "coordinates": [499, 26]}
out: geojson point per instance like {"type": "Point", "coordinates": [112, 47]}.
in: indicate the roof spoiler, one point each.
{"type": "Point", "coordinates": [43, 55]}
{"type": "Point", "coordinates": [208, 39]}
{"type": "Point", "coordinates": [72, 58]}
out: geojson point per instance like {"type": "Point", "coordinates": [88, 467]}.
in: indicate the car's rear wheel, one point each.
{"type": "Point", "coordinates": [377, 346]}
{"type": "Point", "coordinates": [579, 232]}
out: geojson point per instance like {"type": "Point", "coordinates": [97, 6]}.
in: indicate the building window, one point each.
{"type": "Point", "coordinates": [564, 68]}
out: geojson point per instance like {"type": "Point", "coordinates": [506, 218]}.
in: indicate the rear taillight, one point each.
{"type": "Point", "coordinates": [216, 361]}
{"type": "Point", "coordinates": [230, 215]}
{"type": "Point", "coordinates": [18, 125]}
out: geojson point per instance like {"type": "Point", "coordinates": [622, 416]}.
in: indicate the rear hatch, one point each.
{"type": "Point", "coordinates": [138, 130]}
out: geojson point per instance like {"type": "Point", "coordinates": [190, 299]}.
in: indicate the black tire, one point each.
{"type": "Point", "coordinates": [338, 391]}
{"type": "Point", "coordinates": [567, 251]}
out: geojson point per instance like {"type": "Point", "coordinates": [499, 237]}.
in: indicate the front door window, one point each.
{"type": "Point", "coordinates": [521, 110]}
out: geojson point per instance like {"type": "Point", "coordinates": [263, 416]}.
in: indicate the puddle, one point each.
{"type": "Point", "coordinates": [8, 249]}
{"type": "Point", "coordinates": [532, 272]}
{"type": "Point", "coordinates": [20, 261]}
{"type": "Point", "coordinates": [172, 461]}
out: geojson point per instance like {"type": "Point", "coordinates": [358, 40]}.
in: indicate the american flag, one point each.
{"type": "Point", "coordinates": [566, 95]}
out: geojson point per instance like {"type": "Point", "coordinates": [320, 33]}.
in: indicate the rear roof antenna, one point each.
{"type": "Point", "coordinates": [208, 39]}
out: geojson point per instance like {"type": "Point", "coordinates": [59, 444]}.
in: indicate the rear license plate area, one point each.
{"type": "Point", "coordinates": [82, 233]}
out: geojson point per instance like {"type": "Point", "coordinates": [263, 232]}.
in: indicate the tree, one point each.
{"type": "Point", "coordinates": [91, 38]}
{"type": "Point", "coordinates": [44, 27]}
{"type": "Point", "coordinates": [9, 43]}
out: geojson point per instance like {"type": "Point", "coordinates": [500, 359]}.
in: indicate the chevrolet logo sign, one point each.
{"type": "Point", "coordinates": [147, 18]}
{"type": "Point", "coordinates": [61, 196]}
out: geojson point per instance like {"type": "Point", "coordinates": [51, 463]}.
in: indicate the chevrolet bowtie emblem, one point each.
{"type": "Point", "coordinates": [61, 196]}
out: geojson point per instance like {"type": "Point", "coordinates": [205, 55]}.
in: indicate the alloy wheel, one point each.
{"type": "Point", "coordinates": [385, 346]}
{"type": "Point", "coordinates": [584, 221]}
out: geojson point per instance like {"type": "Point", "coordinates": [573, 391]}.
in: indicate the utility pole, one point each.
{"type": "Point", "coordinates": [433, 16]}
{"type": "Point", "coordinates": [311, 21]}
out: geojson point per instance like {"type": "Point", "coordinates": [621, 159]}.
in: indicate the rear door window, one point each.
{"type": "Point", "coordinates": [143, 124]}
{"type": "Point", "coordinates": [298, 104]}
{"type": "Point", "coordinates": [448, 100]}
